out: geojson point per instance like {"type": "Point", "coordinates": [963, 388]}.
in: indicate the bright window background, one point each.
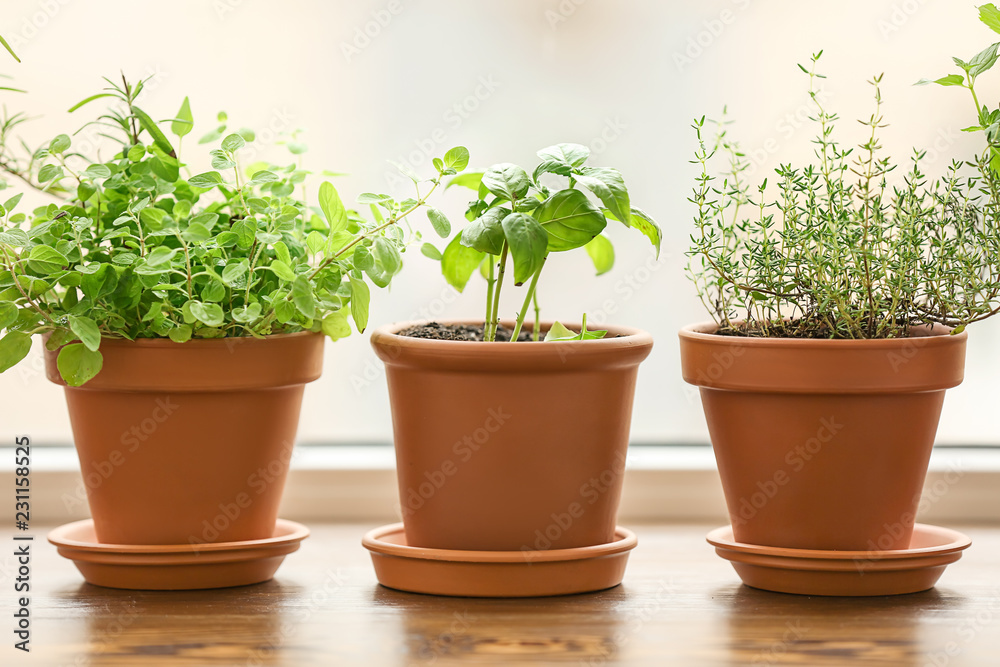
{"type": "Point", "coordinates": [507, 78]}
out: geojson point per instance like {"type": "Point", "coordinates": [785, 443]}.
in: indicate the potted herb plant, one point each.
{"type": "Point", "coordinates": [840, 295]}
{"type": "Point", "coordinates": [183, 314]}
{"type": "Point", "coordinates": [510, 434]}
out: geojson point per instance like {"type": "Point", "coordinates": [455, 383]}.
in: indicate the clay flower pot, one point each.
{"type": "Point", "coordinates": [510, 446]}
{"type": "Point", "coordinates": [822, 444]}
{"type": "Point", "coordinates": [189, 443]}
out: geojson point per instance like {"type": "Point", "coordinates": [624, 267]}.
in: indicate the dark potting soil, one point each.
{"type": "Point", "coordinates": [470, 332]}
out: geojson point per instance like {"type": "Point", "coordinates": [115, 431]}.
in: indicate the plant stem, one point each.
{"type": "Point", "coordinates": [490, 281]}
{"type": "Point", "coordinates": [491, 335]}
{"type": "Point", "coordinates": [527, 304]}
{"type": "Point", "coordinates": [536, 330]}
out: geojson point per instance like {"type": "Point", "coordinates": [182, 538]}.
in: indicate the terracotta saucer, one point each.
{"type": "Point", "coordinates": [171, 567]}
{"type": "Point", "coordinates": [496, 574]}
{"type": "Point", "coordinates": [852, 573]}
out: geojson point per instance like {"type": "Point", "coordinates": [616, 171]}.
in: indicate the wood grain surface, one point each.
{"type": "Point", "coordinates": [680, 605]}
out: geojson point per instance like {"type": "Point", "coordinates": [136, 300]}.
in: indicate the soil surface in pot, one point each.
{"type": "Point", "coordinates": [470, 332]}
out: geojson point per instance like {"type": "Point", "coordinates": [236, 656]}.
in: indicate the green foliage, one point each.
{"type": "Point", "coordinates": [136, 247]}
{"type": "Point", "coordinates": [840, 251]}
{"type": "Point", "coordinates": [518, 219]}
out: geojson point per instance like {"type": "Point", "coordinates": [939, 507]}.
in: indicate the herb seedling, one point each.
{"type": "Point", "coordinates": [516, 221]}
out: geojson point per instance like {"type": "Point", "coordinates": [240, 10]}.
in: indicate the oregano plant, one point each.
{"type": "Point", "coordinates": [518, 219]}
{"type": "Point", "coordinates": [846, 246]}
{"type": "Point", "coordinates": [134, 246]}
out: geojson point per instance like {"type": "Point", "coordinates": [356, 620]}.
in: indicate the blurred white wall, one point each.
{"type": "Point", "coordinates": [504, 79]}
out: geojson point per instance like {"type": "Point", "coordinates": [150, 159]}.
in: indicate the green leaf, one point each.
{"type": "Point", "coordinates": [207, 180]}
{"type": "Point", "coordinates": [78, 364]}
{"type": "Point", "coordinates": [574, 155]}
{"type": "Point", "coordinates": [558, 332]}
{"type": "Point", "coordinates": [263, 176]}
{"type": "Point", "coordinates": [154, 131]}
{"type": "Point", "coordinates": [96, 171]}
{"type": "Point", "coordinates": [45, 260]}
{"type": "Point", "coordinates": [458, 262]}
{"type": "Point", "coordinates": [363, 259]}
{"type": "Point", "coordinates": [570, 219]}
{"type": "Point", "coordinates": [302, 297]}
{"type": "Point", "coordinates": [184, 121]}
{"type": "Point", "coordinates": [60, 144]}
{"type": "Point", "coordinates": [209, 314]}
{"type": "Point", "coordinates": [88, 100]}
{"type": "Point", "coordinates": [13, 348]}
{"type": "Point", "coordinates": [245, 231]}
{"type": "Point", "coordinates": [440, 222]}
{"type": "Point", "coordinates": [284, 311]}
{"type": "Point", "coordinates": [471, 180]}
{"type": "Point", "coordinates": [485, 233]}
{"type": "Point", "coordinates": [101, 282]}
{"type": "Point", "coordinates": [233, 143]}
{"type": "Point", "coordinates": [507, 180]}
{"type": "Point", "coordinates": [609, 186]}
{"type": "Point", "coordinates": [990, 15]}
{"type": "Point", "coordinates": [315, 242]}
{"type": "Point", "coordinates": [528, 243]}
{"type": "Point", "coordinates": [387, 255]}
{"type": "Point", "coordinates": [281, 250]}
{"type": "Point", "coordinates": [14, 237]}
{"type": "Point", "coordinates": [649, 228]}
{"type": "Point", "coordinates": [360, 298]}
{"type": "Point", "coordinates": [335, 325]}
{"type": "Point", "coordinates": [86, 330]}
{"type": "Point", "coordinates": [428, 250]}
{"type": "Point", "coordinates": [247, 314]}
{"type": "Point", "coordinates": [160, 256]}
{"type": "Point", "coordinates": [9, 50]}
{"type": "Point", "coordinates": [236, 273]}
{"type": "Point", "coordinates": [950, 80]}
{"type": "Point", "coordinates": [332, 207]}
{"type": "Point", "coordinates": [602, 253]}
{"type": "Point", "coordinates": [8, 314]}
{"type": "Point", "coordinates": [50, 172]}
{"type": "Point", "coordinates": [180, 334]}
{"type": "Point", "coordinates": [282, 270]}
{"type": "Point", "coordinates": [983, 61]}
{"type": "Point", "coordinates": [196, 233]}
{"type": "Point", "coordinates": [457, 158]}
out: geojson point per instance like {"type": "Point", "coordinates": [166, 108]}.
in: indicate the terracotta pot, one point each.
{"type": "Point", "coordinates": [189, 443]}
{"type": "Point", "coordinates": [822, 444]}
{"type": "Point", "coordinates": [510, 446]}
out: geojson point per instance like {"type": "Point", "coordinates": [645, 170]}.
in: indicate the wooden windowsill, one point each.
{"type": "Point", "coordinates": [679, 605]}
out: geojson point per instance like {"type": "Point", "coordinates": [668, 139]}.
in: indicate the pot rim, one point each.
{"type": "Point", "coordinates": [626, 336]}
{"type": "Point", "coordinates": [705, 332]}
{"type": "Point", "coordinates": [200, 342]}
{"type": "Point", "coordinates": [527, 357]}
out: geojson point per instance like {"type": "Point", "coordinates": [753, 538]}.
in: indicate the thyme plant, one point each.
{"type": "Point", "coordinates": [133, 246]}
{"type": "Point", "coordinates": [517, 221]}
{"type": "Point", "coordinates": [844, 247]}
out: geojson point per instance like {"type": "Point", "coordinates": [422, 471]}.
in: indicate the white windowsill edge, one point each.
{"type": "Point", "coordinates": [358, 483]}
